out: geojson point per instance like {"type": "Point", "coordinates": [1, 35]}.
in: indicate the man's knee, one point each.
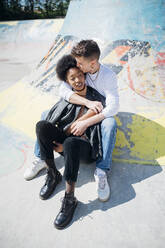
{"type": "Point", "coordinates": [109, 124]}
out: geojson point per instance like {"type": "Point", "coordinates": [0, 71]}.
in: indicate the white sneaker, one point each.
{"type": "Point", "coordinates": [103, 188]}
{"type": "Point", "coordinates": [37, 166]}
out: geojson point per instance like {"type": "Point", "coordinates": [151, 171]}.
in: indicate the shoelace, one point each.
{"type": "Point", "coordinates": [102, 181]}
{"type": "Point", "coordinates": [35, 162]}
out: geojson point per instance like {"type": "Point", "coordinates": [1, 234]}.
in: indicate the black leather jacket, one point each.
{"type": "Point", "coordinates": [63, 114]}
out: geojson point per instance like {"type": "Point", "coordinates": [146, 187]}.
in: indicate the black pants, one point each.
{"type": "Point", "coordinates": [74, 148]}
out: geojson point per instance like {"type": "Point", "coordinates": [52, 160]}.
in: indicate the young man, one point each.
{"type": "Point", "coordinates": [56, 131]}
{"type": "Point", "coordinates": [104, 80]}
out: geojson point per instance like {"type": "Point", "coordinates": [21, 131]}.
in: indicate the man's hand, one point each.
{"type": "Point", "coordinates": [96, 106]}
{"type": "Point", "coordinates": [78, 128]}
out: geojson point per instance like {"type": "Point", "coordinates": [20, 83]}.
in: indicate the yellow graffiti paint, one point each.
{"type": "Point", "coordinates": [111, 58]}
{"type": "Point", "coordinates": [121, 142]}
{"type": "Point", "coordinates": [141, 139]}
{"type": "Point", "coordinates": [148, 138]}
{"type": "Point", "coordinates": [22, 105]}
{"type": "Point", "coordinates": [119, 123]}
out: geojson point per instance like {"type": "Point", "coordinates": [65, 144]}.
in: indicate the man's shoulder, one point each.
{"type": "Point", "coordinates": [108, 74]}
{"type": "Point", "coordinates": [106, 70]}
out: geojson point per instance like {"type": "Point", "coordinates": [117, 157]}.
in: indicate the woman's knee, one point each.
{"type": "Point", "coordinates": [70, 143]}
{"type": "Point", "coordinates": [42, 126]}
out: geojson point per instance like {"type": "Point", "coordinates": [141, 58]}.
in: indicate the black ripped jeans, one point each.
{"type": "Point", "coordinates": [74, 148]}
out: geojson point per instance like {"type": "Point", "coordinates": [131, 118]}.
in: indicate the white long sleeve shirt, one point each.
{"type": "Point", "coordinates": [105, 82]}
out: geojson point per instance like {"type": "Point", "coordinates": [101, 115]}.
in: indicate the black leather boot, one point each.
{"type": "Point", "coordinates": [53, 178]}
{"type": "Point", "coordinates": [65, 215]}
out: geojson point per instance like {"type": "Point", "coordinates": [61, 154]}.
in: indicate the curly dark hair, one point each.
{"type": "Point", "coordinates": [63, 65]}
{"type": "Point", "coordinates": [87, 49]}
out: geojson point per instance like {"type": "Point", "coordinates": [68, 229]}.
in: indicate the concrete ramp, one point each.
{"type": "Point", "coordinates": [131, 38]}
{"type": "Point", "coordinates": [26, 31]}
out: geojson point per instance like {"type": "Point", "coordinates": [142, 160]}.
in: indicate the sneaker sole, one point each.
{"type": "Point", "coordinates": [68, 221]}
{"type": "Point", "coordinates": [104, 200]}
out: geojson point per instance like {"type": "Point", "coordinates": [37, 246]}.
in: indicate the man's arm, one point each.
{"type": "Point", "coordinates": [112, 103]}
{"type": "Point", "coordinates": [112, 96]}
{"type": "Point", "coordinates": [66, 92]}
{"type": "Point", "coordinates": [93, 105]}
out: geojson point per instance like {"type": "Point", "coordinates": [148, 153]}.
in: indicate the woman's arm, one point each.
{"type": "Point", "coordinates": [85, 116]}
{"type": "Point", "coordinates": [80, 126]}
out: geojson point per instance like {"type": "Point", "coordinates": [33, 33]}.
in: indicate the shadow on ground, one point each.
{"type": "Point", "coordinates": [121, 179]}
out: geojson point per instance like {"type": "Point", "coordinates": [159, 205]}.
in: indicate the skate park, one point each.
{"type": "Point", "coordinates": [132, 44]}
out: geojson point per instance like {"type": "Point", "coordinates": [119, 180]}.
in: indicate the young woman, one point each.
{"type": "Point", "coordinates": [56, 133]}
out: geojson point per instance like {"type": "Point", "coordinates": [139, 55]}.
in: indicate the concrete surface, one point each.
{"type": "Point", "coordinates": [23, 44]}
{"type": "Point", "coordinates": [133, 217]}
{"type": "Point", "coordinates": [132, 44]}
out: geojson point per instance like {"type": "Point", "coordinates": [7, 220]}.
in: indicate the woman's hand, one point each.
{"type": "Point", "coordinates": [79, 128]}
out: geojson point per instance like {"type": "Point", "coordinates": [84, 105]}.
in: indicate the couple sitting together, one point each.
{"type": "Point", "coordinates": [80, 126]}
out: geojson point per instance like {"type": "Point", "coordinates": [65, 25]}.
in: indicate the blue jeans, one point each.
{"type": "Point", "coordinates": [37, 147]}
{"type": "Point", "coordinates": [108, 131]}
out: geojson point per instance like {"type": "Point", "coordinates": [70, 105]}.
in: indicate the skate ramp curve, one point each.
{"type": "Point", "coordinates": [132, 44]}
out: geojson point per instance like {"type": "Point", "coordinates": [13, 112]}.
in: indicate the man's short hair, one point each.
{"type": "Point", "coordinates": [63, 65]}
{"type": "Point", "coordinates": [87, 49]}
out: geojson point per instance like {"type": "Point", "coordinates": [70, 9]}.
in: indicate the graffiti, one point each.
{"type": "Point", "coordinates": [135, 130]}
{"type": "Point", "coordinates": [46, 67]}
{"type": "Point", "coordinates": [142, 68]}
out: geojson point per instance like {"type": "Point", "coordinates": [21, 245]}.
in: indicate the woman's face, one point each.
{"type": "Point", "coordinates": [75, 77]}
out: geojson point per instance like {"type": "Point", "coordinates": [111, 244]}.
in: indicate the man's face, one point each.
{"type": "Point", "coordinates": [84, 64]}
{"type": "Point", "coordinates": [76, 78]}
